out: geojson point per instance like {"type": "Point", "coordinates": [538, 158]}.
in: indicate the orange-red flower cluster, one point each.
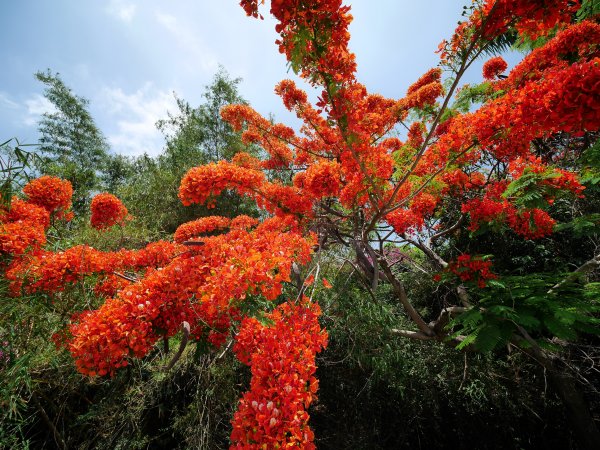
{"type": "Point", "coordinates": [314, 37]}
{"type": "Point", "coordinates": [51, 193]}
{"type": "Point", "coordinates": [107, 211]}
{"type": "Point", "coordinates": [202, 286]}
{"type": "Point", "coordinates": [200, 226]}
{"type": "Point", "coordinates": [492, 18]}
{"type": "Point", "coordinates": [530, 17]}
{"type": "Point", "coordinates": [17, 237]}
{"type": "Point", "coordinates": [109, 285]}
{"type": "Point", "coordinates": [28, 212]}
{"type": "Point", "coordinates": [403, 220]}
{"type": "Point", "coordinates": [323, 179]}
{"type": "Point", "coordinates": [52, 272]}
{"type": "Point", "coordinates": [492, 207]}
{"type": "Point", "coordinates": [272, 414]}
{"type": "Point", "coordinates": [202, 184]}
{"type": "Point", "coordinates": [23, 226]}
{"type": "Point", "coordinates": [494, 67]}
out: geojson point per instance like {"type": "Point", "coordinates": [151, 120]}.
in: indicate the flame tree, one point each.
{"type": "Point", "coordinates": [356, 184]}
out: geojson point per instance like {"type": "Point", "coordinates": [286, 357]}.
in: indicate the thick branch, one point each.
{"type": "Point", "coordinates": [436, 236]}
{"type": "Point", "coordinates": [444, 318]}
{"type": "Point", "coordinates": [419, 335]}
{"type": "Point", "coordinates": [437, 259]}
{"type": "Point", "coordinates": [403, 298]}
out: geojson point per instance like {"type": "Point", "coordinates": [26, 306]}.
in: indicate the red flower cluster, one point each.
{"type": "Point", "coordinates": [314, 36]}
{"type": "Point", "coordinates": [411, 219]}
{"type": "Point", "coordinates": [458, 181]}
{"type": "Point", "coordinates": [28, 212]}
{"type": "Point", "coordinates": [17, 237]}
{"type": "Point", "coordinates": [531, 18]}
{"type": "Point", "coordinates": [559, 180]}
{"type": "Point", "coordinates": [494, 67]}
{"type": "Point", "coordinates": [109, 285]}
{"type": "Point", "coordinates": [469, 268]}
{"type": "Point", "coordinates": [203, 184]}
{"type": "Point", "coordinates": [421, 97]}
{"type": "Point", "coordinates": [272, 414]}
{"type": "Point", "coordinates": [404, 220]}
{"type": "Point", "coordinates": [107, 211]}
{"type": "Point", "coordinates": [492, 207]}
{"type": "Point", "coordinates": [531, 224]}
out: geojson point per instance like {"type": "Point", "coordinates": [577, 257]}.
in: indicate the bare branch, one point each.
{"type": "Point", "coordinates": [185, 327]}
{"type": "Point", "coordinates": [586, 267]}
{"type": "Point", "coordinates": [125, 277]}
{"type": "Point", "coordinates": [403, 298]}
{"type": "Point", "coordinates": [419, 335]}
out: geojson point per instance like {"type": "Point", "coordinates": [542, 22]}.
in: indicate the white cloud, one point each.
{"type": "Point", "coordinates": [122, 10]}
{"type": "Point", "coordinates": [190, 43]}
{"type": "Point", "coordinates": [135, 115]}
{"type": "Point", "coordinates": [6, 102]}
{"type": "Point", "coordinates": [37, 105]}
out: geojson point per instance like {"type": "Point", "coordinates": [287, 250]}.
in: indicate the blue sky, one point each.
{"type": "Point", "coordinates": [127, 57]}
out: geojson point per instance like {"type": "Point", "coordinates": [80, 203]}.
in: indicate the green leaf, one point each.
{"type": "Point", "coordinates": [468, 340]}
{"type": "Point", "coordinates": [505, 312]}
{"type": "Point", "coordinates": [528, 321]}
{"type": "Point", "coordinates": [582, 226]}
{"type": "Point", "coordinates": [488, 338]}
{"type": "Point", "coordinates": [559, 329]}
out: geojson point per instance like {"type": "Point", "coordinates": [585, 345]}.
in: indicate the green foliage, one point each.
{"type": "Point", "coordinates": [589, 8]}
{"type": "Point", "coordinates": [470, 96]}
{"type": "Point", "coordinates": [590, 162]}
{"type": "Point", "coordinates": [379, 390]}
{"type": "Point", "coordinates": [501, 44]}
{"type": "Point", "coordinates": [193, 136]}
{"type": "Point", "coordinates": [546, 306]}
{"type": "Point", "coordinates": [587, 225]}
{"type": "Point", "coordinates": [16, 163]}
{"type": "Point", "coordinates": [71, 145]}
{"type": "Point", "coordinates": [118, 170]}
{"type": "Point", "coordinates": [529, 191]}
{"type": "Point", "coordinates": [197, 136]}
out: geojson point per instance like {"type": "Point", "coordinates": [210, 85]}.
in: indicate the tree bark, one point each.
{"type": "Point", "coordinates": [578, 411]}
{"type": "Point", "coordinates": [566, 386]}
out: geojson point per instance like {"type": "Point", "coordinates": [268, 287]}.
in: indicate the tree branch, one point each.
{"type": "Point", "coordinates": [403, 298]}
{"type": "Point", "coordinates": [185, 327]}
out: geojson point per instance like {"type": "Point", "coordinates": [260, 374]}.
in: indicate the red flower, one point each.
{"type": "Point", "coordinates": [494, 67]}
{"type": "Point", "coordinates": [107, 210]}
{"type": "Point", "coordinates": [51, 193]}
{"type": "Point", "coordinates": [469, 268]}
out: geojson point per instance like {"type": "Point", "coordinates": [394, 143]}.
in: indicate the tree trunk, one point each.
{"type": "Point", "coordinates": [578, 411]}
